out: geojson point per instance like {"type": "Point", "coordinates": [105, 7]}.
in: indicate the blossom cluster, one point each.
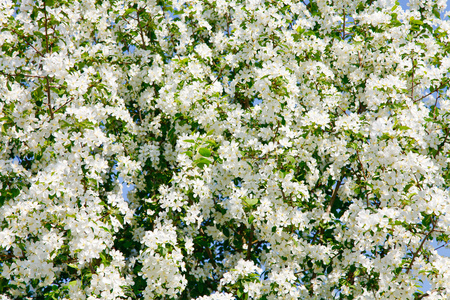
{"type": "Point", "coordinates": [276, 149]}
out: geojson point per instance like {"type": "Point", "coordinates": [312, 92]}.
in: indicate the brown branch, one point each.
{"type": "Point", "coordinates": [359, 58]}
{"type": "Point", "coordinates": [361, 108]}
{"type": "Point", "coordinates": [341, 109]}
{"type": "Point", "coordinates": [441, 246]}
{"type": "Point", "coordinates": [92, 268]}
{"type": "Point", "coordinates": [208, 251]}
{"type": "Point", "coordinates": [419, 249]}
{"type": "Point", "coordinates": [68, 101]}
{"type": "Point", "coordinates": [333, 196]}
{"type": "Point", "coordinates": [315, 235]}
{"type": "Point", "coordinates": [9, 256]}
{"type": "Point", "coordinates": [46, 27]}
{"type": "Point", "coordinates": [427, 294]}
{"type": "Point", "coordinates": [28, 43]}
{"type": "Point", "coordinates": [443, 143]}
{"type": "Point", "coordinates": [435, 106]}
{"type": "Point", "coordinates": [141, 32]}
{"type": "Point", "coordinates": [285, 199]}
{"type": "Point", "coordinates": [126, 19]}
{"type": "Point", "coordinates": [343, 28]}
{"type": "Point", "coordinates": [439, 87]}
{"type": "Point", "coordinates": [276, 132]}
{"type": "Point", "coordinates": [417, 182]}
{"type": "Point", "coordinates": [25, 75]}
{"type": "Point", "coordinates": [363, 171]}
{"type": "Point", "coordinates": [250, 241]}
{"type": "Point", "coordinates": [311, 287]}
{"type": "Point", "coordinates": [362, 167]}
{"type": "Point", "coordinates": [422, 296]}
{"type": "Point", "coordinates": [412, 79]}
{"type": "Point", "coordinates": [49, 103]}
{"type": "Point", "coordinates": [228, 24]}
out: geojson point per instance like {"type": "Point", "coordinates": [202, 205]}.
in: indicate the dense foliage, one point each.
{"type": "Point", "coordinates": [277, 149]}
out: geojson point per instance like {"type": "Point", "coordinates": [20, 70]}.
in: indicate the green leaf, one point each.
{"type": "Point", "coordinates": [226, 232]}
{"type": "Point", "coordinates": [106, 229]}
{"type": "Point", "coordinates": [416, 22]}
{"type": "Point", "coordinates": [64, 124]}
{"type": "Point", "coordinates": [189, 153]}
{"type": "Point", "coordinates": [204, 152]}
{"type": "Point", "coordinates": [251, 201]}
{"type": "Point", "coordinates": [290, 158]}
{"type": "Point", "coordinates": [436, 12]}
{"type": "Point", "coordinates": [201, 162]}
{"type": "Point", "coordinates": [72, 283]}
{"type": "Point", "coordinates": [401, 127]}
{"type": "Point", "coordinates": [15, 193]}
{"type": "Point", "coordinates": [211, 142]}
{"type": "Point", "coordinates": [103, 257]}
{"type": "Point", "coordinates": [250, 219]}
{"type": "Point", "coordinates": [49, 2]}
{"type": "Point", "coordinates": [129, 11]}
{"type": "Point", "coordinates": [353, 145]}
{"type": "Point", "coordinates": [189, 141]}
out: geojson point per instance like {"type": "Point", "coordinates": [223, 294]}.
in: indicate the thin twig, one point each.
{"type": "Point", "coordinates": [68, 101]}
{"type": "Point", "coordinates": [441, 246]}
{"type": "Point", "coordinates": [28, 43]}
{"type": "Point", "coordinates": [438, 88]}
{"type": "Point", "coordinates": [25, 75]}
{"type": "Point", "coordinates": [443, 143]}
{"type": "Point", "coordinates": [419, 249]}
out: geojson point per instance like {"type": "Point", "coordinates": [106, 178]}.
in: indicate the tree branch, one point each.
{"type": "Point", "coordinates": [250, 241]}
{"type": "Point", "coordinates": [140, 31]}
{"type": "Point", "coordinates": [443, 143]}
{"type": "Point", "coordinates": [46, 27]}
{"type": "Point", "coordinates": [208, 251]}
{"type": "Point", "coordinates": [333, 196]}
{"type": "Point", "coordinates": [49, 103]}
{"type": "Point", "coordinates": [433, 91]}
{"type": "Point", "coordinates": [68, 101]}
{"type": "Point", "coordinates": [24, 75]}
{"type": "Point", "coordinates": [416, 253]}
{"type": "Point", "coordinates": [412, 79]}
{"type": "Point", "coordinates": [343, 28]}
{"type": "Point", "coordinates": [28, 43]}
